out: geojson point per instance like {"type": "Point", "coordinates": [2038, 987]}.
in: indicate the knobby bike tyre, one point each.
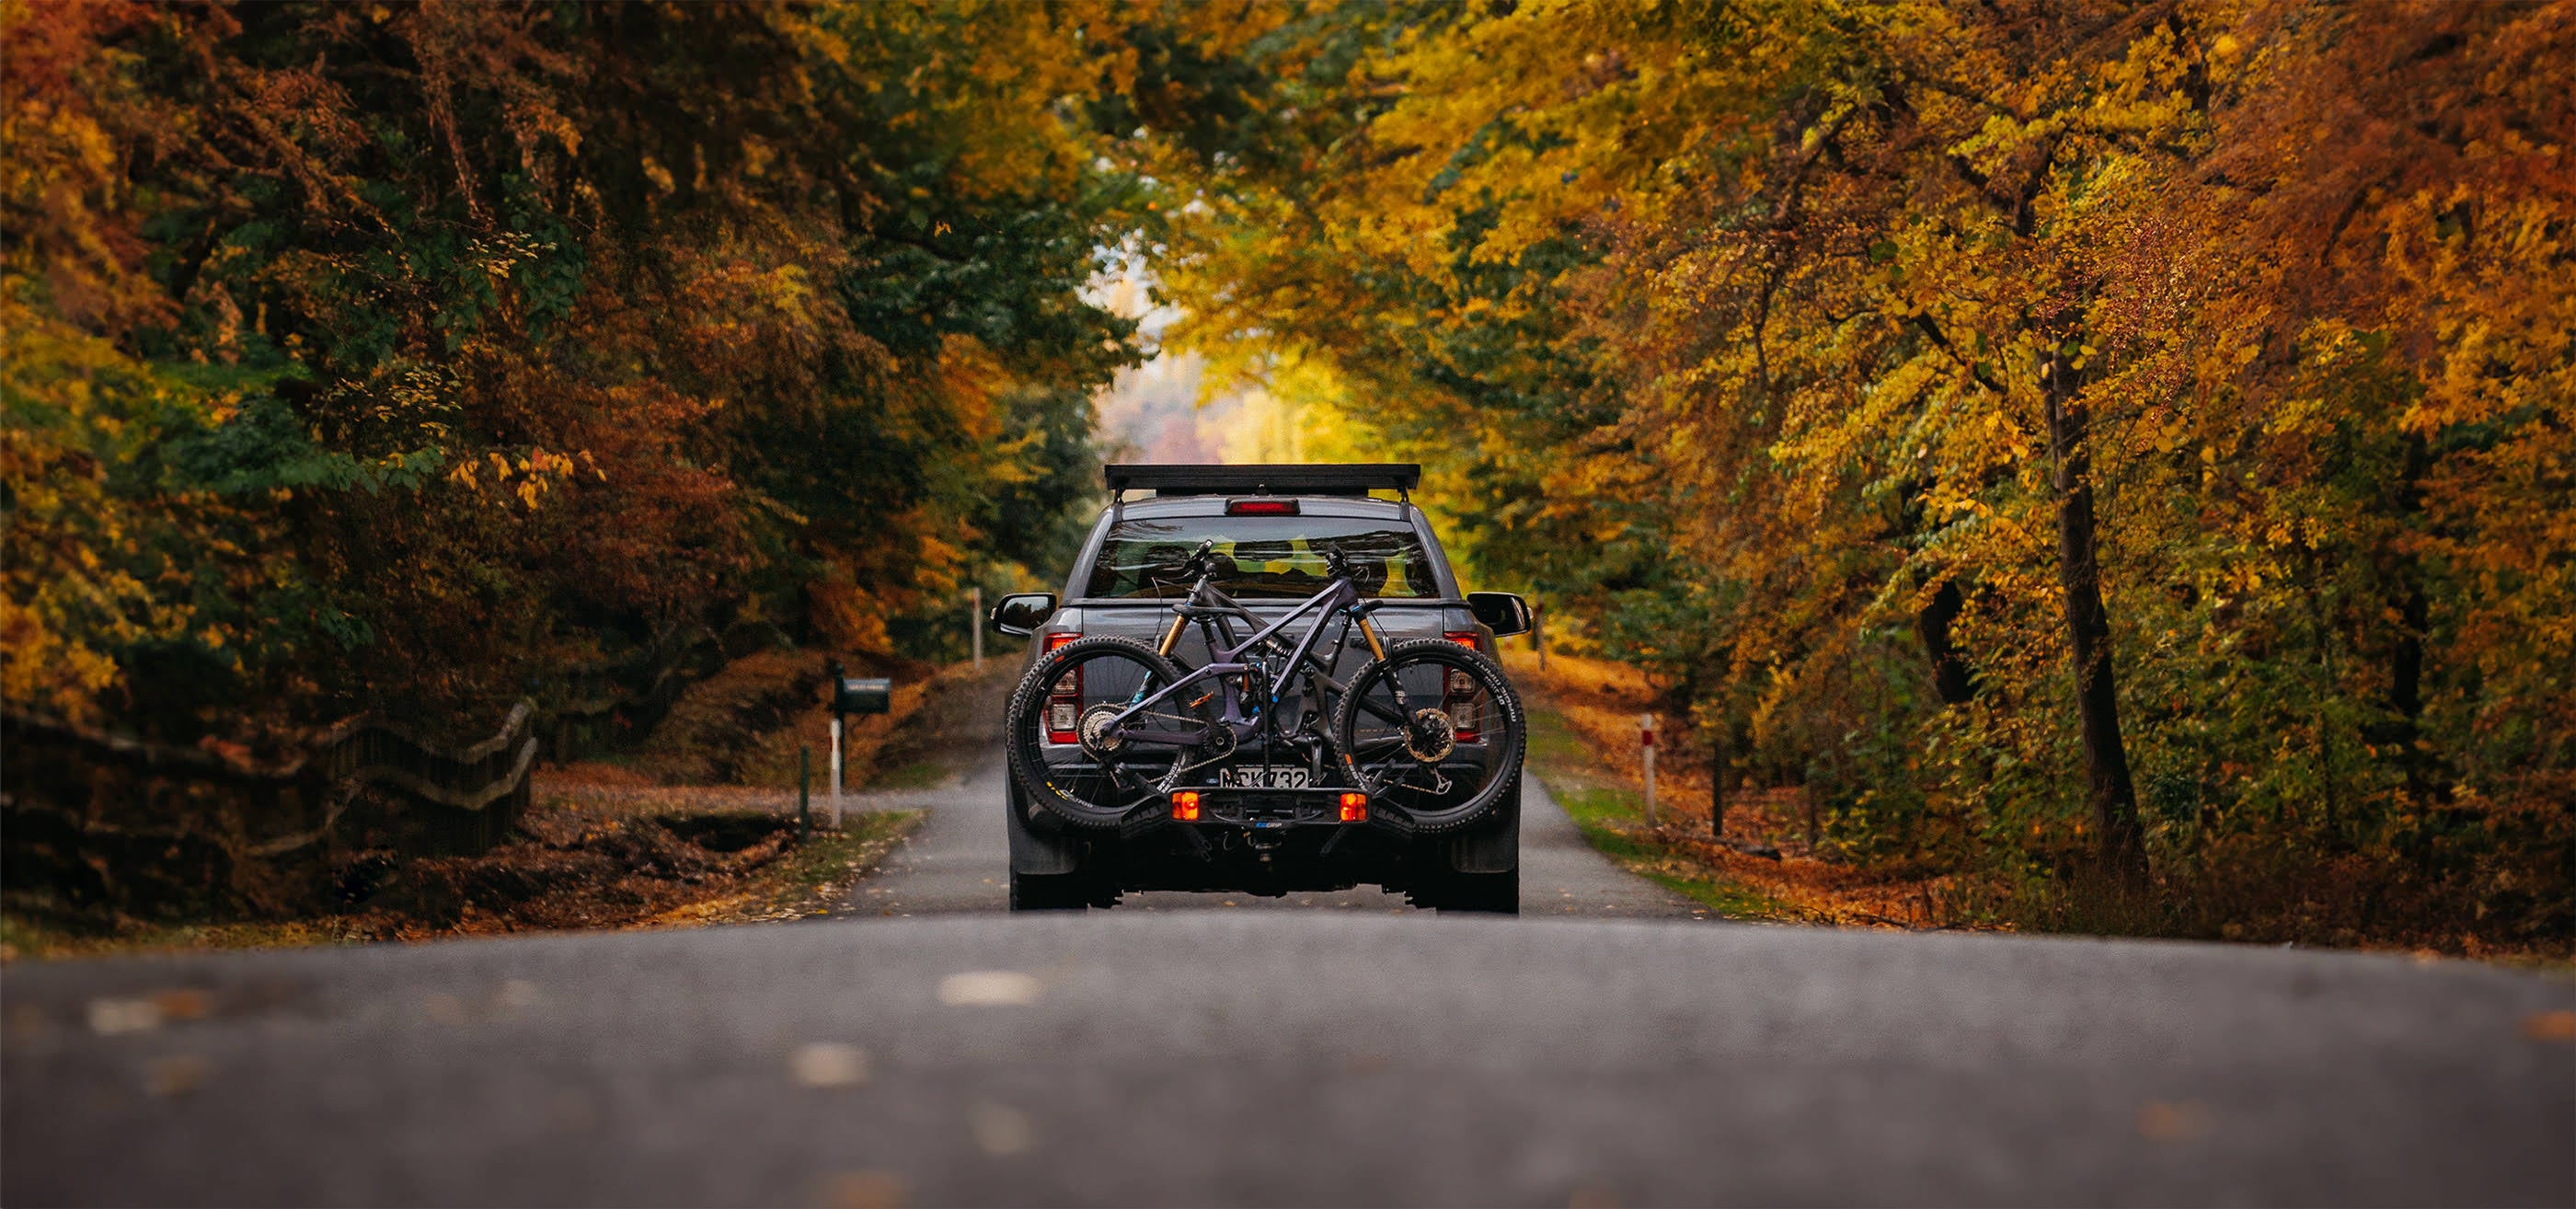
{"type": "Point", "coordinates": [1399, 757]}
{"type": "Point", "coordinates": [1084, 786]}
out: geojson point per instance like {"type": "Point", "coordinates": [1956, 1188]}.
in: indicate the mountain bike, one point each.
{"type": "Point", "coordinates": [1106, 731]}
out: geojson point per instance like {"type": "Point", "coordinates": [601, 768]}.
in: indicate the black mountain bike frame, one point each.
{"type": "Point", "coordinates": [1227, 665]}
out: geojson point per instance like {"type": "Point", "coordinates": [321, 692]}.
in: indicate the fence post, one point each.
{"type": "Point", "coordinates": [1538, 633]}
{"type": "Point", "coordinates": [975, 622]}
{"type": "Point", "coordinates": [1646, 739]}
{"type": "Point", "coordinates": [836, 772]}
{"type": "Point", "coordinates": [804, 792]}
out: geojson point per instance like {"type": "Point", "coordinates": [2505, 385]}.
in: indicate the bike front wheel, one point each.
{"type": "Point", "coordinates": [1433, 728]}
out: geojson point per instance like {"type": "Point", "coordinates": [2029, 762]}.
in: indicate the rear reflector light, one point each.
{"type": "Point", "coordinates": [1261, 507]}
{"type": "Point", "coordinates": [1185, 806]}
{"type": "Point", "coordinates": [1354, 808]}
{"type": "Point", "coordinates": [1064, 705]}
{"type": "Point", "coordinates": [1458, 691]}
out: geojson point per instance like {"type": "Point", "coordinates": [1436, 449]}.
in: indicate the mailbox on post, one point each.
{"type": "Point", "coordinates": [851, 695]}
{"type": "Point", "coordinates": [862, 695]}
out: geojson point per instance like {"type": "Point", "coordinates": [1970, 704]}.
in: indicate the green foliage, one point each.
{"type": "Point", "coordinates": [409, 355]}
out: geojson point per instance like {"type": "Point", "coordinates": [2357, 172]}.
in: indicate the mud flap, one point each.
{"type": "Point", "coordinates": [1035, 851]}
{"type": "Point", "coordinates": [1493, 844]}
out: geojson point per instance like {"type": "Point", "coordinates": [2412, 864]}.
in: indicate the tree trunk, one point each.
{"type": "Point", "coordinates": [1950, 676]}
{"type": "Point", "coordinates": [2079, 574]}
{"type": "Point", "coordinates": [2414, 620]}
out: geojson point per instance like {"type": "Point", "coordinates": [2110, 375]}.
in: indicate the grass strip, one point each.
{"type": "Point", "coordinates": [1611, 817]}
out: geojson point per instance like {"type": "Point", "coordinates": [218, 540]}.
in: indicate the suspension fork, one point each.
{"type": "Point", "coordinates": [1376, 645]}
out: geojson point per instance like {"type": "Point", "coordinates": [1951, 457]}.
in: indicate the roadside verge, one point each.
{"type": "Point", "coordinates": [1584, 747]}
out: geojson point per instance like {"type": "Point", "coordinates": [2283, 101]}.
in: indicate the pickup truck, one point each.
{"type": "Point", "coordinates": [1265, 526]}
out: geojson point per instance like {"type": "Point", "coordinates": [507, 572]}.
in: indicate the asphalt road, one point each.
{"type": "Point", "coordinates": [1283, 1058]}
{"type": "Point", "coordinates": [1221, 1056]}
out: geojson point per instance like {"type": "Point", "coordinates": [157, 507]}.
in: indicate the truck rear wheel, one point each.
{"type": "Point", "coordinates": [1050, 891]}
{"type": "Point", "coordinates": [1481, 893]}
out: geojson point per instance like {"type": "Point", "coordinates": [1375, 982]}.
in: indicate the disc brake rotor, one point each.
{"type": "Point", "coordinates": [1430, 735]}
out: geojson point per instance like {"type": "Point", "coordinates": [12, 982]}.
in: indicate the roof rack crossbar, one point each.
{"type": "Point", "coordinates": [1341, 478]}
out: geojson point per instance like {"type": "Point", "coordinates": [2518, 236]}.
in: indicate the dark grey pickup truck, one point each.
{"type": "Point", "coordinates": [1264, 799]}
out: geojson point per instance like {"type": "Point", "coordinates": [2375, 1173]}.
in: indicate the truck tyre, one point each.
{"type": "Point", "coordinates": [1482, 893]}
{"type": "Point", "coordinates": [1049, 891]}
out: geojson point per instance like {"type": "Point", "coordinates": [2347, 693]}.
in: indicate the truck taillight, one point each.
{"type": "Point", "coordinates": [1458, 695]}
{"type": "Point", "coordinates": [1064, 704]}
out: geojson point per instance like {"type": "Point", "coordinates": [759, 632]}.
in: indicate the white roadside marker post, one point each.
{"type": "Point", "coordinates": [975, 623]}
{"type": "Point", "coordinates": [836, 772]}
{"type": "Point", "coordinates": [1646, 739]}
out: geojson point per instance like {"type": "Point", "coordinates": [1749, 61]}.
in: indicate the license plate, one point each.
{"type": "Point", "coordinates": [1262, 778]}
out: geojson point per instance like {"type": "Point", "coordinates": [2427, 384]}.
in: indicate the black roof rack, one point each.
{"type": "Point", "coordinates": [1343, 478]}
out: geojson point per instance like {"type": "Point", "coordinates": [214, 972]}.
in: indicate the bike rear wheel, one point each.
{"type": "Point", "coordinates": [1433, 727]}
{"type": "Point", "coordinates": [1070, 748]}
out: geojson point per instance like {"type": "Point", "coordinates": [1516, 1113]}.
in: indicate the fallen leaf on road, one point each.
{"type": "Point", "coordinates": [988, 988]}
{"type": "Point", "coordinates": [828, 1064]}
{"type": "Point", "coordinates": [999, 1130]}
{"type": "Point", "coordinates": [516, 996]}
{"type": "Point", "coordinates": [2181, 1121]}
{"type": "Point", "coordinates": [181, 1005]}
{"type": "Point", "coordinates": [114, 1016]}
{"type": "Point", "coordinates": [174, 1076]}
{"type": "Point", "coordinates": [2550, 1026]}
{"type": "Point", "coordinates": [864, 1190]}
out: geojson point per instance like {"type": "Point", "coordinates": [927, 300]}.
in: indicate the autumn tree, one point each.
{"type": "Point", "coordinates": [406, 355]}
{"type": "Point", "coordinates": [2090, 425]}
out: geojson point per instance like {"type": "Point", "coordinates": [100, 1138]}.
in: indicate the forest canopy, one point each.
{"type": "Point", "coordinates": [368, 356]}
{"type": "Point", "coordinates": [2056, 436]}
{"type": "Point", "coordinates": [2127, 440]}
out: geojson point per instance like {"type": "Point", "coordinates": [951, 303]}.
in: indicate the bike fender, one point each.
{"type": "Point", "coordinates": [1494, 844]}
{"type": "Point", "coordinates": [1033, 851]}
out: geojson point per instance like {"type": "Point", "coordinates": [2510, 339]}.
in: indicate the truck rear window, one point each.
{"type": "Point", "coordinates": [1271, 556]}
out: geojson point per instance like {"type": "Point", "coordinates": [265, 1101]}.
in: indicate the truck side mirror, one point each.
{"type": "Point", "coordinates": [1020, 614]}
{"type": "Point", "coordinates": [1505, 613]}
